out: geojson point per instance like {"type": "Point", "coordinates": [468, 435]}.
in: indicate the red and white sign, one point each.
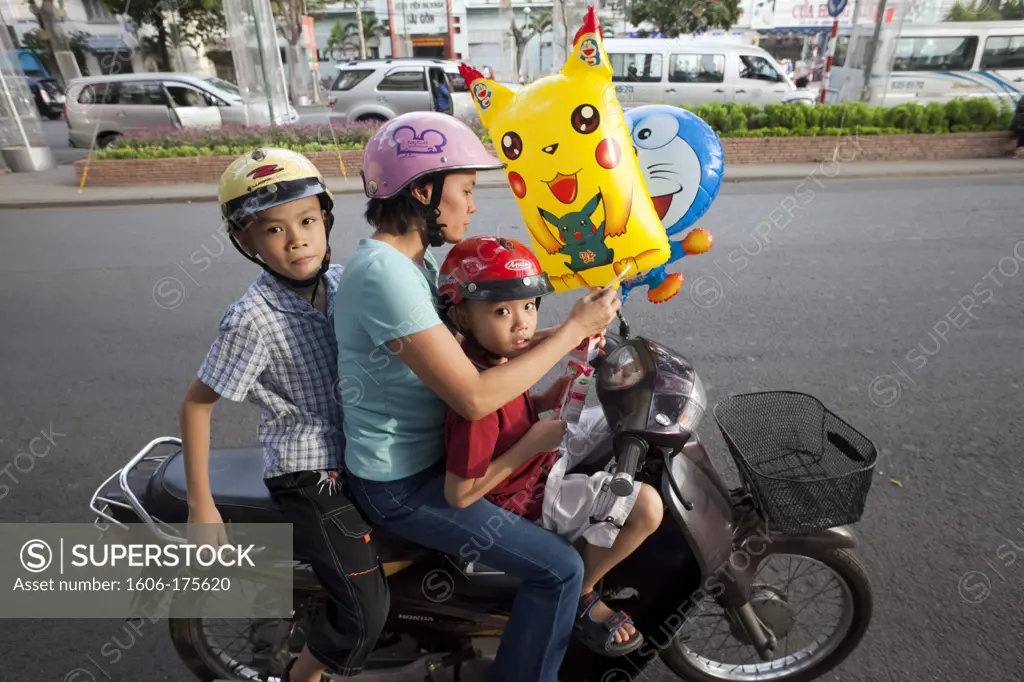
{"type": "Point", "coordinates": [798, 13]}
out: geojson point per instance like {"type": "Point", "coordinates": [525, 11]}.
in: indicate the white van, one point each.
{"type": "Point", "coordinates": [696, 71]}
{"type": "Point", "coordinates": [926, 63]}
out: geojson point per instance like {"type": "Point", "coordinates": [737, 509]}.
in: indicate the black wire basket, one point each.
{"type": "Point", "coordinates": [806, 468]}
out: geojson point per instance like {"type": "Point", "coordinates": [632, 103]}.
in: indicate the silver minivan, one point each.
{"type": "Point", "coordinates": [108, 106]}
{"type": "Point", "coordinates": [695, 71]}
{"type": "Point", "coordinates": [380, 89]}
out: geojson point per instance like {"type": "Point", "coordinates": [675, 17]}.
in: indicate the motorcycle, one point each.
{"type": "Point", "coordinates": [805, 477]}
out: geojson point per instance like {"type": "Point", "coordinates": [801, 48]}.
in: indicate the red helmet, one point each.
{"type": "Point", "coordinates": [491, 269]}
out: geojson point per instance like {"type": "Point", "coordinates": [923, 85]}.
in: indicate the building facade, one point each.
{"type": "Point", "coordinates": [103, 38]}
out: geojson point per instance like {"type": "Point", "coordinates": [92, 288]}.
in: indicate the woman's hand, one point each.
{"type": "Point", "coordinates": [548, 399]}
{"type": "Point", "coordinates": [594, 312]}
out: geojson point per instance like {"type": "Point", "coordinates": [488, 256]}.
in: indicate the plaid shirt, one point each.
{"type": "Point", "coordinates": [278, 351]}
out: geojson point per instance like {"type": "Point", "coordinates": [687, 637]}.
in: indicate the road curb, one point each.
{"type": "Point", "coordinates": [491, 184]}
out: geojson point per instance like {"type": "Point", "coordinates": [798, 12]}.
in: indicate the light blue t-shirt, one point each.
{"type": "Point", "coordinates": [393, 423]}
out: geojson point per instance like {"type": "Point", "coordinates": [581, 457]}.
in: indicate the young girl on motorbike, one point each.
{"type": "Point", "coordinates": [400, 367]}
{"type": "Point", "coordinates": [501, 458]}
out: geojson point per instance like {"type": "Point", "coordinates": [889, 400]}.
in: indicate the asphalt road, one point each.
{"type": "Point", "coordinates": [899, 303]}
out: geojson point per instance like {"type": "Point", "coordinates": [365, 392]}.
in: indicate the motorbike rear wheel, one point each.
{"type": "Point", "coordinates": [204, 659]}
{"type": "Point", "coordinates": [692, 665]}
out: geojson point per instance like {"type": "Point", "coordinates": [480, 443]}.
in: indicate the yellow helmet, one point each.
{"type": "Point", "coordinates": [264, 178]}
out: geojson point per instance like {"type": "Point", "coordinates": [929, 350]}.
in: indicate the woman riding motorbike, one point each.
{"type": "Point", "coordinates": [399, 365]}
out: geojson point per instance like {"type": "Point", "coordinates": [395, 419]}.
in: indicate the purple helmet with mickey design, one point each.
{"type": "Point", "coordinates": [413, 145]}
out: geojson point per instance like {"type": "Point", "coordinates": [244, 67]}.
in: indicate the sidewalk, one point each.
{"type": "Point", "coordinates": [57, 188]}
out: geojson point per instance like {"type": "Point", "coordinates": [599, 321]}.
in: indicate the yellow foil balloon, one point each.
{"type": "Point", "coordinates": [570, 164]}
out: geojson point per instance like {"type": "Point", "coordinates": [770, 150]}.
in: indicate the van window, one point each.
{"type": "Point", "coordinates": [636, 68]}
{"type": "Point", "coordinates": [349, 79]}
{"type": "Point", "coordinates": [97, 93]}
{"type": "Point", "coordinates": [140, 93]}
{"type": "Point", "coordinates": [935, 54]}
{"type": "Point", "coordinates": [842, 47]}
{"type": "Point", "coordinates": [758, 68]}
{"type": "Point", "coordinates": [457, 81]}
{"type": "Point", "coordinates": [184, 96]}
{"type": "Point", "coordinates": [224, 85]}
{"type": "Point", "coordinates": [697, 68]}
{"type": "Point", "coordinates": [1003, 52]}
{"type": "Point", "coordinates": [403, 81]}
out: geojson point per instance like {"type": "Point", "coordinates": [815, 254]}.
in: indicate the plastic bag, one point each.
{"type": "Point", "coordinates": [681, 160]}
{"type": "Point", "coordinates": [572, 170]}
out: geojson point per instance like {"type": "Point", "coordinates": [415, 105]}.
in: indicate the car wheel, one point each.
{"type": "Point", "coordinates": [372, 119]}
{"type": "Point", "coordinates": [107, 140]}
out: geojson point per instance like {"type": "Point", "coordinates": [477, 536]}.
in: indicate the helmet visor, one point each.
{"type": "Point", "coordinates": [240, 212]}
{"type": "Point", "coordinates": [518, 289]}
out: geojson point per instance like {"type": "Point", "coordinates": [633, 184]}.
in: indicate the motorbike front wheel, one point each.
{"type": "Point", "coordinates": [692, 656]}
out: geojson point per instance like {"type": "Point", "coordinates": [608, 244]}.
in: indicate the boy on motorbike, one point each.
{"type": "Point", "coordinates": [276, 348]}
{"type": "Point", "coordinates": [492, 287]}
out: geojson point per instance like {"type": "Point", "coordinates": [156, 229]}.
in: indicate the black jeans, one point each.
{"type": "Point", "coordinates": [330, 533]}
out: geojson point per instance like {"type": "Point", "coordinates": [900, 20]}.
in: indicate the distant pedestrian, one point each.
{"type": "Point", "coordinates": [442, 97]}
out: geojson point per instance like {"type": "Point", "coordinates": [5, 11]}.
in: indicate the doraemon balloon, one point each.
{"type": "Point", "coordinates": [681, 160]}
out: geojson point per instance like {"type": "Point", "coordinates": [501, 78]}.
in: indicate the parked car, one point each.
{"type": "Point", "coordinates": [108, 106]}
{"type": "Point", "coordinates": [49, 98]}
{"type": "Point", "coordinates": [695, 71]}
{"type": "Point", "coordinates": [380, 89]}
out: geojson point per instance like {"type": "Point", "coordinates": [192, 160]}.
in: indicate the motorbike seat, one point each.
{"type": "Point", "coordinates": [236, 481]}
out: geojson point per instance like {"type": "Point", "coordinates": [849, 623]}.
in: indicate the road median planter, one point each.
{"type": "Point", "coordinates": [845, 148]}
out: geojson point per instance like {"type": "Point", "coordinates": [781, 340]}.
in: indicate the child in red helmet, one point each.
{"type": "Point", "coordinates": [492, 288]}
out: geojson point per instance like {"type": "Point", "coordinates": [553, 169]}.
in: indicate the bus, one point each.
{"type": "Point", "coordinates": [926, 63]}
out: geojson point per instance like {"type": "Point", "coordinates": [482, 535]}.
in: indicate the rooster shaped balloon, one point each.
{"type": "Point", "coordinates": [571, 167]}
{"type": "Point", "coordinates": [681, 160]}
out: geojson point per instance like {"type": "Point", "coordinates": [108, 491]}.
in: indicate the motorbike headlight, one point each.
{"type": "Point", "coordinates": [696, 405]}
{"type": "Point", "coordinates": [621, 370]}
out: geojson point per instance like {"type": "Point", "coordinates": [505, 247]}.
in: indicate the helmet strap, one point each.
{"type": "Point", "coordinates": [482, 352]}
{"type": "Point", "coordinates": [435, 236]}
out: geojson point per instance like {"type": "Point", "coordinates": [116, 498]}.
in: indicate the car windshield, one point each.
{"type": "Point", "coordinates": [223, 85]}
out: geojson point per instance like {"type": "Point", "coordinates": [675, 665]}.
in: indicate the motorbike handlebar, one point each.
{"type": "Point", "coordinates": [628, 452]}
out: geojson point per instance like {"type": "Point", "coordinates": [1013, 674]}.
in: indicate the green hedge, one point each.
{"type": "Point", "coordinates": [794, 120]}
{"type": "Point", "coordinates": [728, 120]}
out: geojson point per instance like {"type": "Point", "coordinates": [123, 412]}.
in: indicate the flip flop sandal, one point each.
{"type": "Point", "coordinates": [600, 636]}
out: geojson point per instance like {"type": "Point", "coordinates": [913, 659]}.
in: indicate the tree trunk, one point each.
{"type": "Point", "coordinates": [560, 35]}
{"type": "Point", "coordinates": [359, 26]}
{"type": "Point", "coordinates": [48, 19]}
{"type": "Point", "coordinates": [509, 72]}
{"type": "Point", "coordinates": [46, 16]}
{"type": "Point", "coordinates": [163, 54]}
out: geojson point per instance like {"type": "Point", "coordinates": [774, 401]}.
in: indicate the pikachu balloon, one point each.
{"type": "Point", "coordinates": [570, 164]}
